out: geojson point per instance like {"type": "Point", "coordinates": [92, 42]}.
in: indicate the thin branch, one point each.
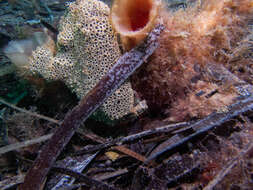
{"type": "Point", "coordinates": [121, 149]}
{"type": "Point", "coordinates": [205, 125]}
{"type": "Point", "coordinates": [17, 146]}
{"type": "Point", "coordinates": [76, 164]}
{"type": "Point", "coordinates": [83, 178]}
{"type": "Point", "coordinates": [11, 182]}
{"type": "Point", "coordinates": [28, 112]}
{"type": "Point", "coordinates": [112, 174]}
{"type": "Point", "coordinates": [131, 153]}
{"type": "Point", "coordinates": [76, 186]}
{"type": "Point", "coordinates": [124, 67]}
{"type": "Point", "coordinates": [227, 168]}
{"type": "Point", "coordinates": [133, 138]}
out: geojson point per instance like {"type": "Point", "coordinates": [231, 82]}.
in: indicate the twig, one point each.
{"type": "Point", "coordinates": [205, 125]}
{"type": "Point", "coordinates": [75, 164]}
{"type": "Point", "coordinates": [124, 67]}
{"type": "Point", "coordinates": [49, 27]}
{"type": "Point", "coordinates": [227, 168]}
{"type": "Point", "coordinates": [51, 16]}
{"type": "Point", "coordinates": [180, 178]}
{"type": "Point", "coordinates": [131, 153]}
{"type": "Point", "coordinates": [121, 149]}
{"type": "Point", "coordinates": [11, 182]}
{"type": "Point", "coordinates": [17, 146]}
{"type": "Point", "coordinates": [83, 178]}
{"type": "Point", "coordinates": [112, 174]}
{"type": "Point", "coordinates": [28, 112]}
{"type": "Point", "coordinates": [76, 186]}
{"type": "Point", "coordinates": [133, 138]}
{"type": "Point", "coordinates": [42, 117]}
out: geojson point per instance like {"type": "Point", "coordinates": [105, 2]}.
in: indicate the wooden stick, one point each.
{"type": "Point", "coordinates": [28, 112]}
{"type": "Point", "coordinates": [16, 146]}
{"type": "Point", "coordinates": [124, 67]}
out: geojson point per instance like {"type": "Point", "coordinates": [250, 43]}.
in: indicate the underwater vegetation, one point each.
{"type": "Point", "coordinates": [187, 76]}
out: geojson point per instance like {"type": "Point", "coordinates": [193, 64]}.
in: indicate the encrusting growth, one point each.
{"type": "Point", "coordinates": [183, 78]}
{"type": "Point", "coordinates": [87, 49]}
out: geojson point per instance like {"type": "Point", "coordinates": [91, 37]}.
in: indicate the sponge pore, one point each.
{"type": "Point", "coordinates": [87, 49]}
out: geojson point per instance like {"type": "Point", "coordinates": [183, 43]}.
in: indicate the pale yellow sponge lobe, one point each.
{"type": "Point", "coordinates": [87, 49]}
{"type": "Point", "coordinates": [40, 61]}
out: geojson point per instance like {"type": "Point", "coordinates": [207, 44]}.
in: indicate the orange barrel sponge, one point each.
{"type": "Point", "coordinates": [134, 19]}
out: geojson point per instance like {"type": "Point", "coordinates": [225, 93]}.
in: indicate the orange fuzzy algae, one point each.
{"type": "Point", "coordinates": [186, 76]}
{"type": "Point", "coordinates": [134, 19]}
